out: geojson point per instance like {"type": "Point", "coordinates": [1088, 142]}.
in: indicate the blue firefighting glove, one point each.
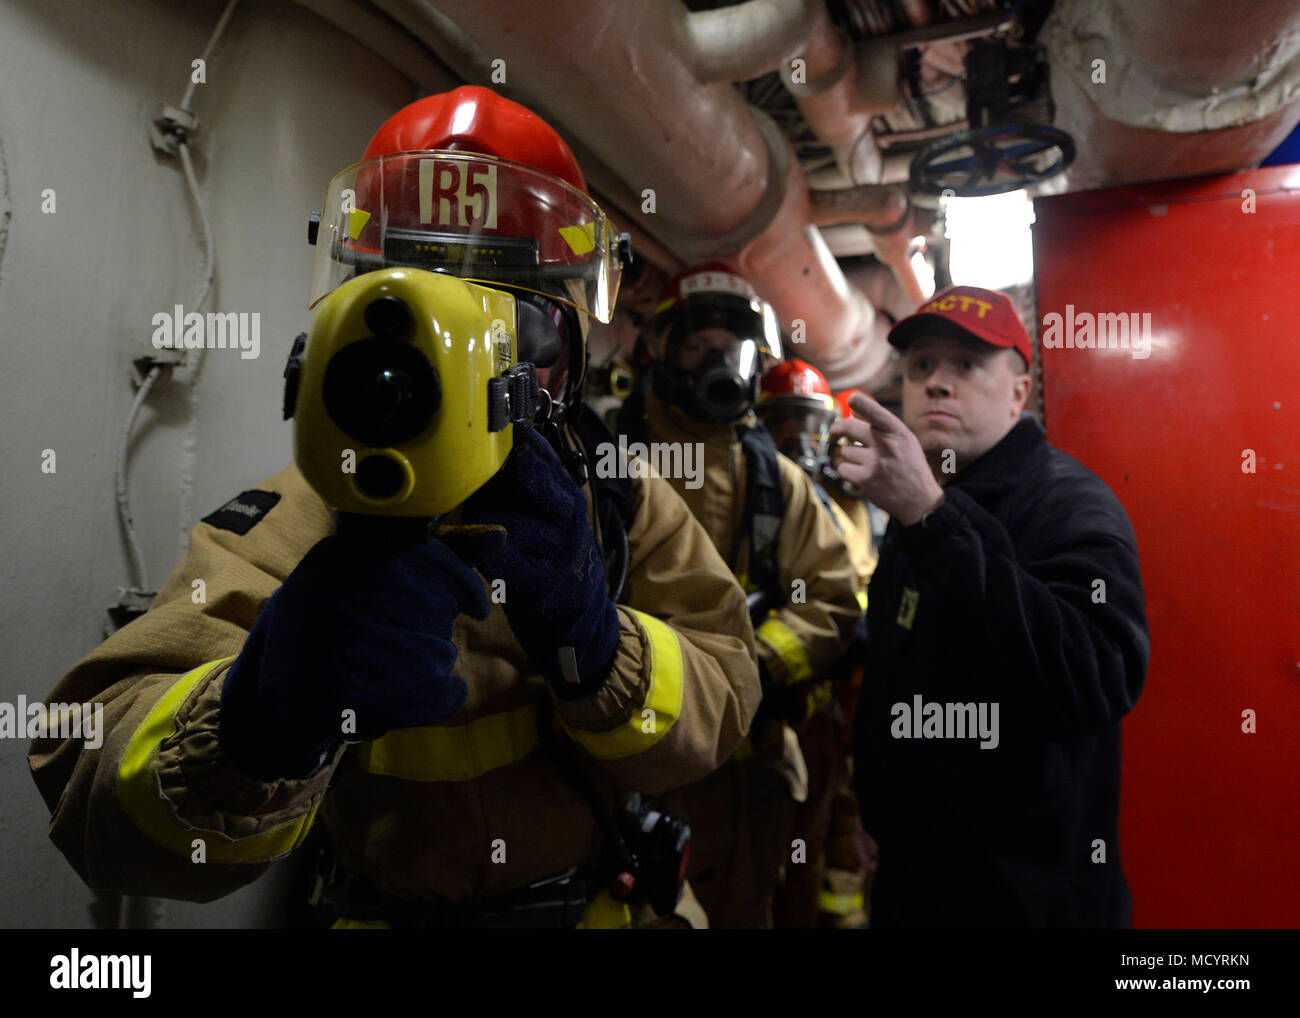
{"type": "Point", "coordinates": [556, 598]}
{"type": "Point", "coordinates": [351, 629]}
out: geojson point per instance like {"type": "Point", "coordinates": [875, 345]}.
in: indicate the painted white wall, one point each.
{"type": "Point", "coordinates": [289, 101]}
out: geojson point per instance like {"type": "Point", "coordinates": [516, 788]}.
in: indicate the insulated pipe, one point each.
{"type": "Point", "coordinates": [1196, 44]}
{"type": "Point", "coordinates": [830, 93]}
{"type": "Point", "coordinates": [801, 279]}
{"type": "Point", "coordinates": [883, 209]}
{"type": "Point", "coordinates": [618, 77]}
{"type": "Point", "coordinates": [1209, 87]}
{"type": "Point", "coordinates": [878, 207]}
{"type": "Point", "coordinates": [746, 40]}
{"type": "Point", "coordinates": [715, 176]}
{"type": "Point", "coordinates": [894, 248]}
{"type": "Point", "coordinates": [386, 40]}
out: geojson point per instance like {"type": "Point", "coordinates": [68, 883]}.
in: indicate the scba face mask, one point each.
{"type": "Point", "coordinates": [708, 337]}
{"type": "Point", "coordinates": [718, 384]}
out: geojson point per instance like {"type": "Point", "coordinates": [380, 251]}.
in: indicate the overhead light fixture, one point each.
{"type": "Point", "coordinates": [989, 240]}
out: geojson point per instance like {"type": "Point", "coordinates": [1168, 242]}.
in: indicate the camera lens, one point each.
{"type": "Point", "coordinates": [381, 392]}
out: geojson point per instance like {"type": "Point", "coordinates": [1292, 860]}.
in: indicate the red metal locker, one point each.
{"type": "Point", "coordinates": [1210, 815]}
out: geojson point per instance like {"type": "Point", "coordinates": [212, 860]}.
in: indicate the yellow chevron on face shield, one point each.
{"type": "Point", "coordinates": [391, 417]}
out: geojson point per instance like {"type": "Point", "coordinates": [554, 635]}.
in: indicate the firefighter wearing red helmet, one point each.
{"type": "Point", "coordinates": [463, 713]}
{"type": "Point", "coordinates": [797, 408]}
{"type": "Point", "coordinates": [706, 348]}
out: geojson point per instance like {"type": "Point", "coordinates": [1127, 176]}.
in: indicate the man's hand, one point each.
{"type": "Point", "coordinates": [887, 462]}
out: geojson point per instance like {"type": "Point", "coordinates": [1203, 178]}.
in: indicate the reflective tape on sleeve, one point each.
{"type": "Point", "coordinates": [788, 647]}
{"type": "Point", "coordinates": [142, 798]}
{"type": "Point", "coordinates": [663, 701]}
{"type": "Point", "coordinates": [453, 752]}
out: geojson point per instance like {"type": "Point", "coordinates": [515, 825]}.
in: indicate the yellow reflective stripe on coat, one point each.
{"type": "Point", "coordinates": [817, 698]}
{"type": "Point", "coordinates": [839, 904]}
{"type": "Point", "coordinates": [603, 912]}
{"type": "Point", "coordinates": [788, 647]}
{"type": "Point", "coordinates": [453, 752]}
{"type": "Point", "coordinates": [142, 799]}
{"type": "Point", "coordinates": [663, 701]}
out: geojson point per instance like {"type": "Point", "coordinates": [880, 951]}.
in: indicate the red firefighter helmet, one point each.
{"type": "Point", "coordinates": [475, 119]}
{"type": "Point", "coordinates": [471, 183]}
{"type": "Point", "coordinates": [842, 401]}
{"type": "Point", "coordinates": [795, 383]}
{"type": "Point", "coordinates": [796, 407]}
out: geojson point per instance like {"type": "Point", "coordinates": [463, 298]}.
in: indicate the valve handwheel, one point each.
{"type": "Point", "coordinates": [998, 159]}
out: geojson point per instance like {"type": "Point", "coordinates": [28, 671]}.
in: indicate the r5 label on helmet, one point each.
{"type": "Point", "coordinates": [464, 193]}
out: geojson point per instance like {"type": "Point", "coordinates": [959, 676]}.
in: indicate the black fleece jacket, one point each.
{"type": "Point", "coordinates": [1022, 590]}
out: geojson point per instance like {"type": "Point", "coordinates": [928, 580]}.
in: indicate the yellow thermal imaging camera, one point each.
{"type": "Point", "coordinates": [403, 393]}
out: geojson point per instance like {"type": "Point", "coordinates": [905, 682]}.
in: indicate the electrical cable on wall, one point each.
{"type": "Point", "coordinates": [172, 133]}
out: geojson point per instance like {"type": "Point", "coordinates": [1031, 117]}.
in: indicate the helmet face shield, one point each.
{"type": "Point", "coordinates": [799, 431]}
{"type": "Point", "coordinates": [483, 219]}
{"type": "Point", "coordinates": [746, 318]}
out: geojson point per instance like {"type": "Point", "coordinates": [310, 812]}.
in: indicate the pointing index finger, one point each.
{"type": "Point", "coordinates": [873, 413]}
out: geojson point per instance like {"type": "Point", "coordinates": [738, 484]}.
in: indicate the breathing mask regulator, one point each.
{"type": "Point", "coordinates": [708, 337]}
{"type": "Point", "coordinates": [453, 265]}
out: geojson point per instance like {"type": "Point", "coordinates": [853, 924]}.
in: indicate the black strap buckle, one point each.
{"type": "Point", "coordinates": [514, 397]}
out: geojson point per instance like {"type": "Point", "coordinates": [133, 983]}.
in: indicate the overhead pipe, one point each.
{"type": "Point", "coordinates": [838, 94]}
{"type": "Point", "coordinates": [878, 207]}
{"type": "Point", "coordinates": [723, 180]}
{"type": "Point", "coordinates": [386, 40]}
{"type": "Point", "coordinates": [746, 40]}
{"type": "Point", "coordinates": [1210, 87]}
{"type": "Point", "coordinates": [885, 211]}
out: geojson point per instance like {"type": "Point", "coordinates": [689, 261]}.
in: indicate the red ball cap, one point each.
{"type": "Point", "coordinates": [475, 119]}
{"type": "Point", "coordinates": [987, 315]}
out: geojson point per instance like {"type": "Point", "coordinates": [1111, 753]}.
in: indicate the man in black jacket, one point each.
{"type": "Point", "coordinates": [1008, 637]}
